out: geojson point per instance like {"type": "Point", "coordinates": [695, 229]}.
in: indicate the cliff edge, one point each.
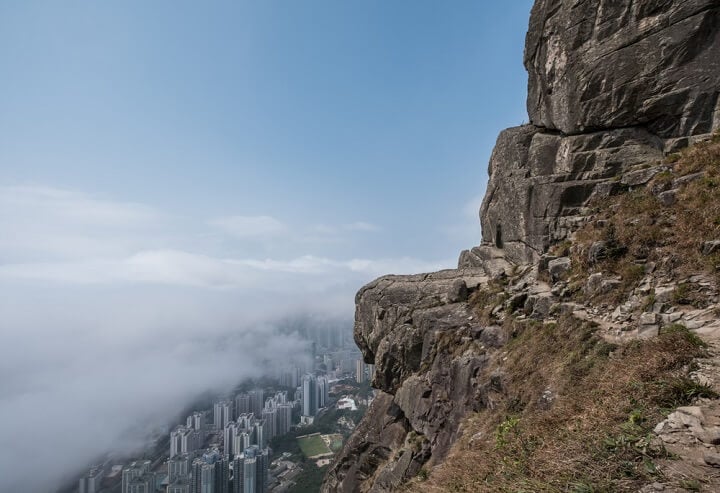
{"type": "Point", "coordinates": [615, 89]}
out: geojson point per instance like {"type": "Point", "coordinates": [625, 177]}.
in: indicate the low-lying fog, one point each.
{"type": "Point", "coordinates": [112, 320]}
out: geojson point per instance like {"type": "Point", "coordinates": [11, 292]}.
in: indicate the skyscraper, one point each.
{"type": "Point", "coordinates": [222, 414]}
{"type": "Point", "coordinates": [250, 471]}
{"type": "Point", "coordinates": [257, 402]}
{"type": "Point", "coordinates": [241, 441]}
{"type": "Point", "coordinates": [323, 391]}
{"type": "Point", "coordinates": [309, 387]}
{"type": "Point", "coordinates": [210, 474]}
{"type": "Point", "coordinates": [179, 485]}
{"type": "Point", "coordinates": [229, 437]}
{"type": "Point", "coordinates": [242, 404]}
{"type": "Point", "coordinates": [269, 415]}
{"type": "Point", "coordinates": [90, 483]}
{"type": "Point", "coordinates": [284, 419]}
{"type": "Point", "coordinates": [360, 371]}
{"type": "Point", "coordinates": [178, 467]}
{"type": "Point", "coordinates": [137, 478]}
{"type": "Point", "coordinates": [260, 433]}
{"type": "Point", "coordinates": [184, 440]}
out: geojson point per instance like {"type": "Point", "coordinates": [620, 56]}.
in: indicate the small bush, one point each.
{"type": "Point", "coordinates": [689, 336]}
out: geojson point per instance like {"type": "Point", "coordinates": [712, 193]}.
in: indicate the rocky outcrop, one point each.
{"type": "Point", "coordinates": [540, 182]}
{"type": "Point", "coordinates": [614, 86]}
{"type": "Point", "coordinates": [611, 85]}
{"type": "Point", "coordinates": [607, 64]}
{"type": "Point", "coordinates": [427, 347]}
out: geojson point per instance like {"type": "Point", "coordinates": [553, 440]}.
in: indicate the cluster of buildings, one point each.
{"type": "Point", "coordinates": [229, 454]}
{"type": "Point", "coordinates": [225, 449]}
{"type": "Point", "coordinates": [238, 462]}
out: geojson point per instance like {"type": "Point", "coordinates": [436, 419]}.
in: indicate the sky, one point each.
{"type": "Point", "coordinates": [177, 173]}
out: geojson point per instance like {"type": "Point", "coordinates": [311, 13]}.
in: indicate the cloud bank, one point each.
{"type": "Point", "coordinates": [116, 314]}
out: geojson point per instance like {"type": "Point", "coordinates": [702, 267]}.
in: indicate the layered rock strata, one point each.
{"type": "Point", "coordinates": [614, 85]}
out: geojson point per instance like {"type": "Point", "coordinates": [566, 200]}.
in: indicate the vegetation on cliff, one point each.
{"type": "Point", "coordinates": [569, 410]}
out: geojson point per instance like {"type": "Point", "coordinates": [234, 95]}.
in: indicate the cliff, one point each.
{"type": "Point", "coordinates": [615, 89]}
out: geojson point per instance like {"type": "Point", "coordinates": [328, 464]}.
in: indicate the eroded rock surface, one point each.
{"type": "Point", "coordinates": [607, 64]}
{"type": "Point", "coordinates": [614, 86]}
{"type": "Point", "coordinates": [421, 334]}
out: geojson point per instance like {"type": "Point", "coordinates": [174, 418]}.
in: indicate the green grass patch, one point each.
{"type": "Point", "coordinates": [313, 445]}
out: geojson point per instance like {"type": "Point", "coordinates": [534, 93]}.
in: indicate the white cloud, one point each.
{"type": "Point", "coordinates": [49, 223]}
{"type": "Point", "coordinates": [117, 316]}
{"type": "Point", "coordinates": [250, 226]}
{"type": "Point", "coordinates": [179, 268]}
{"type": "Point", "coordinates": [361, 226]}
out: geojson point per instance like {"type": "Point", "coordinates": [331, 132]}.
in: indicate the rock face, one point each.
{"type": "Point", "coordinates": [606, 64]}
{"type": "Point", "coordinates": [409, 327]}
{"type": "Point", "coordinates": [614, 85]}
{"type": "Point", "coordinates": [540, 181]}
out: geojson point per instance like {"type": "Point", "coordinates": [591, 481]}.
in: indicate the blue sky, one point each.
{"type": "Point", "coordinates": [177, 173]}
{"type": "Point", "coordinates": [313, 113]}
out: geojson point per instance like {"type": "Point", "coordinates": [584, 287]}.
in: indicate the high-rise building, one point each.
{"type": "Point", "coordinates": [222, 414]}
{"type": "Point", "coordinates": [284, 419]}
{"type": "Point", "coordinates": [260, 433]}
{"type": "Point", "coordinates": [309, 390]}
{"type": "Point", "coordinates": [179, 467]}
{"type": "Point", "coordinates": [269, 415]}
{"type": "Point", "coordinates": [196, 421]}
{"type": "Point", "coordinates": [250, 471]}
{"type": "Point", "coordinates": [184, 440]}
{"type": "Point", "coordinates": [137, 478]}
{"type": "Point", "coordinates": [323, 391]}
{"type": "Point", "coordinates": [241, 441]}
{"type": "Point", "coordinates": [257, 402]}
{"type": "Point", "coordinates": [229, 437]}
{"type": "Point", "coordinates": [360, 371]}
{"type": "Point", "coordinates": [245, 420]}
{"type": "Point", "coordinates": [222, 475]}
{"type": "Point", "coordinates": [210, 474]}
{"type": "Point", "coordinates": [242, 404]}
{"type": "Point", "coordinates": [90, 482]}
{"type": "Point", "coordinates": [179, 485]}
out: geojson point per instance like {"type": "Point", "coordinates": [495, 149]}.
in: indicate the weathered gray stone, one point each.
{"type": "Point", "coordinates": [492, 260]}
{"type": "Point", "coordinates": [540, 183]}
{"type": "Point", "coordinates": [597, 65]}
{"type": "Point", "coordinates": [648, 331]}
{"type": "Point", "coordinates": [597, 252]}
{"type": "Point", "coordinates": [684, 180]}
{"type": "Point", "coordinates": [639, 176]}
{"type": "Point", "coordinates": [664, 294]}
{"type": "Point", "coordinates": [458, 291]}
{"type": "Point", "coordinates": [559, 267]}
{"type": "Point", "coordinates": [710, 247]}
{"type": "Point", "coordinates": [710, 436]}
{"type": "Point", "coordinates": [667, 198]}
{"type": "Point", "coordinates": [712, 459]}
{"type": "Point", "coordinates": [648, 318]}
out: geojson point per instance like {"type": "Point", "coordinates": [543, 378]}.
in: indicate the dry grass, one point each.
{"type": "Point", "coordinates": [593, 437]}
{"type": "Point", "coordinates": [640, 230]}
{"type": "Point", "coordinates": [484, 300]}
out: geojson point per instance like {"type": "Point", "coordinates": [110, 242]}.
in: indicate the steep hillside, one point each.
{"type": "Point", "coordinates": [546, 360]}
{"type": "Point", "coordinates": [587, 395]}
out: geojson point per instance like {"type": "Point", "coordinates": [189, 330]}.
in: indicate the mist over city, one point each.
{"type": "Point", "coordinates": [191, 196]}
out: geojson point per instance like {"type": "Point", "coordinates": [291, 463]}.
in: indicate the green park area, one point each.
{"type": "Point", "coordinates": [313, 445]}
